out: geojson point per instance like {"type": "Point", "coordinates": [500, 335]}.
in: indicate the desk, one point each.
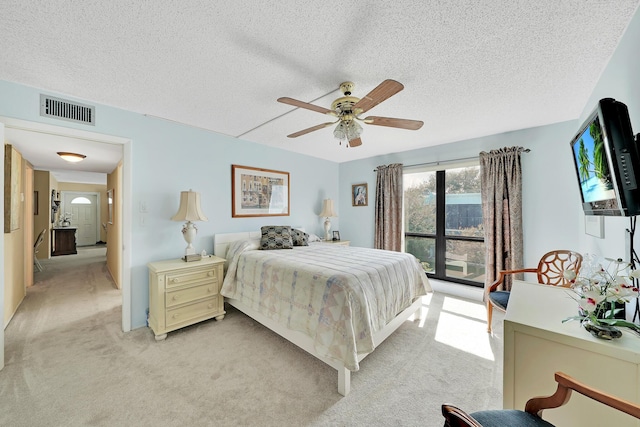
{"type": "Point", "coordinates": [537, 344]}
{"type": "Point", "coordinates": [63, 241]}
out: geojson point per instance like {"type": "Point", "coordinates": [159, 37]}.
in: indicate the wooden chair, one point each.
{"type": "Point", "coordinates": [36, 245]}
{"type": "Point", "coordinates": [550, 271]}
{"type": "Point", "coordinates": [532, 414]}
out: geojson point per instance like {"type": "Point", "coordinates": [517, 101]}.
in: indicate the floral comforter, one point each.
{"type": "Point", "coordinates": [337, 295]}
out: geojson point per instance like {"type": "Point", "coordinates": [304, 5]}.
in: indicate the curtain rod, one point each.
{"type": "Point", "coordinates": [439, 162]}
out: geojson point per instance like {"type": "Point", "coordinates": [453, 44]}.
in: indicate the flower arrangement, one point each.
{"type": "Point", "coordinates": [598, 288]}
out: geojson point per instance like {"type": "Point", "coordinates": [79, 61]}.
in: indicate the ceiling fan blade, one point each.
{"type": "Point", "coordinates": [394, 123]}
{"type": "Point", "coordinates": [311, 129]}
{"type": "Point", "coordinates": [382, 92]}
{"type": "Point", "coordinates": [355, 142]}
{"type": "Point", "coordinates": [301, 104]}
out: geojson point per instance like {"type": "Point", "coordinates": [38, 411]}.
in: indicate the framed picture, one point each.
{"type": "Point", "coordinates": [258, 192]}
{"type": "Point", "coordinates": [110, 206]}
{"type": "Point", "coordinates": [359, 195]}
{"type": "Point", "coordinates": [336, 235]}
{"type": "Point", "coordinates": [12, 188]}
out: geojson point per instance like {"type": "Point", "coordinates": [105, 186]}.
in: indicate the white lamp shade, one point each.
{"type": "Point", "coordinates": [327, 209]}
{"type": "Point", "coordinates": [189, 207]}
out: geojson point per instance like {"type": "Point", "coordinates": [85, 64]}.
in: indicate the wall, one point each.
{"type": "Point", "coordinates": [114, 228]}
{"type": "Point", "coordinates": [101, 189]}
{"type": "Point", "coordinates": [167, 158]}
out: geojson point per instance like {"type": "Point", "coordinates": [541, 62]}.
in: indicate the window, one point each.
{"type": "Point", "coordinates": [443, 222]}
{"type": "Point", "coordinates": [81, 201]}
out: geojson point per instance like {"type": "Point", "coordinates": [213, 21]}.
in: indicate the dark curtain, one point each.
{"type": "Point", "coordinates": [501, 181]}
{"type": "Point", "coordinates": [388, 216]}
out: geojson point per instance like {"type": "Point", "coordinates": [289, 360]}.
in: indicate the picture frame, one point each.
{"type": "Point", "coordinates": [259, 192]}
{"type": "Point", "coordinates": [359, 195]}
{"type": "Point", "coordinates": [12, 188]}
{"type": "Point", "coordinates": [110, 206]}
{"type": "Point", "coordinates": [336, 235]}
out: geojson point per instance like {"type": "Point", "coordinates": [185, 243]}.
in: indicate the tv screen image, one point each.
{"type": "Point", "coordinates": [593, 171]}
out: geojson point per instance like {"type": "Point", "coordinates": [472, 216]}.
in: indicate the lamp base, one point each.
{"type": "Point", "coordinates": [192, 257]}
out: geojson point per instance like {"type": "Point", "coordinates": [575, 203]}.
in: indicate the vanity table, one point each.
{"type": "Point", "coordinates": [63, 241]}
{"type": "Point", "coordinates": [537, 344]}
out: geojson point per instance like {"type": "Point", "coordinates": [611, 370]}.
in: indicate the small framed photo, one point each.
{"type": "Point", "coordinates": [336, 235]}
{"type": "Point", "coordinates": [359, 195]}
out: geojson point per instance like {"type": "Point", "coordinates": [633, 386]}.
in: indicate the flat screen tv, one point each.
{"type": "Point", "coordinates": [606, 161]}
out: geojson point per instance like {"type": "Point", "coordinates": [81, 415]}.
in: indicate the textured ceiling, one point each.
{"type": "Point", "coordinates": [470, 68]}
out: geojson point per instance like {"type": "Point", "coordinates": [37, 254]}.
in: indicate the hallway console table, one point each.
{"type": "Point", "coordinates": [63, 241]}
{"type": "Point", "coordinates": [537, 344]}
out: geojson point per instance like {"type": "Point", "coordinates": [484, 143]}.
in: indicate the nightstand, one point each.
{"type": "Point", "coordinates": [183, 293]}
{"type": "Point", "coordinates": [337, 242]}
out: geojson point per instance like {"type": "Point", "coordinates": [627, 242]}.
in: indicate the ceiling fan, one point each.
{"type": "Point", "coordinates": [348, 109]}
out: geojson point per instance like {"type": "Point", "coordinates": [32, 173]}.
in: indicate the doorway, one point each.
{"type": "Point", "coordinates": [82, 210]}
{"type": "Point", "coordinates": [7, 124]}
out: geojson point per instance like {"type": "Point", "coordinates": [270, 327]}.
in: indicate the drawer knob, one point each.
{"type": "Point", "coordinates": [175, 280]}
{"type": "Point", "coordinates": [210, 273]}
{"type": "Point", "coordinates": [175, 316]}
{"type": "Point", "coordinates": [210, 306]}
{"type": "Point", "coordinates": [209, 289]}
{"type": "Point", "coordinates": [175, 298]}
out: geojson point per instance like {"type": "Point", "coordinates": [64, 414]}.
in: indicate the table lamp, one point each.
{"type": "Point", "coordinates": [327, 212]}
{"type": "Point", "coordinates": [189, 211]}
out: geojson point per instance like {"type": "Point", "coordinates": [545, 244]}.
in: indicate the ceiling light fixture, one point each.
{"type": "Point", "coordinates": [71, 157]}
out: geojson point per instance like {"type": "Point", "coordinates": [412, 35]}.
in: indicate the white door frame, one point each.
{"type": "Point", "coordinates": [126, 191]}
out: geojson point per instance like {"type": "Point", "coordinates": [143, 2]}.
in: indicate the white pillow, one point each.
{"type": "Point", "coordinates": [313, 238]}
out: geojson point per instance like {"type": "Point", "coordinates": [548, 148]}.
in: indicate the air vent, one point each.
{"type": "Point", "coordinates": [66, 110]}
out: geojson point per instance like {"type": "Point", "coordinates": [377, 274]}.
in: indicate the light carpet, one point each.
{"type": "Point", "coordinates": [69, 364]}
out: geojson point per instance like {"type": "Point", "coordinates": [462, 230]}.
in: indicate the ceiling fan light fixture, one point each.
{"type": "Point", "coordinates": [71, 157]}
{"type": "Point", "coordinates": [340, 132]}
{"type": "Point", "coordinates": [354, 130]}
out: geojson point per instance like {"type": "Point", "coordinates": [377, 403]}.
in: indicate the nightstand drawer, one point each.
{"type": "Point", "coordinates": [192, 311]}
{"type": "Point", "coordinates": [191, 277]}
{"type": "Point", "coordinates": [191, 294]}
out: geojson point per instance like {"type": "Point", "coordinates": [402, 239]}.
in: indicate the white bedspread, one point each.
{"type": "Point", "coordinates": [337, 295]}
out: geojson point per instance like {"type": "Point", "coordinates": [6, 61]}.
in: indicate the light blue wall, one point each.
{"type": "Point", "coordinates": [168, 158]}
{"type": "Point", "coordinates": [552, 216]}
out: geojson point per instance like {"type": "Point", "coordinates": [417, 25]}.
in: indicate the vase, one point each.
{"type": "Point", "coordinates": [604, 332]}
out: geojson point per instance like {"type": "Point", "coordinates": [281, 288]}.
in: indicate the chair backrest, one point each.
{"type": "Point", "coordinates": [39, 240]}
{"type": "Point", "coordinates": [553, 264]}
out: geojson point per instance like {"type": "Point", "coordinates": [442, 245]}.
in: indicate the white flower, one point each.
{"type": "Point", "coordinates": [569, 275]}
{"type": "Point", "coordinates": [596, 284]}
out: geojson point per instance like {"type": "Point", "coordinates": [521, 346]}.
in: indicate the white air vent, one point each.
{"type": "Point", "coordinates": [67, 110]}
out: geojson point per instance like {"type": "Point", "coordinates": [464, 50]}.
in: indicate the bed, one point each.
{"type": "Point", "coordinates": [336, 302]}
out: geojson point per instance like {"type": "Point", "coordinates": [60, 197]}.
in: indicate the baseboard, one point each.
{"type": "Point", "coordinates": [455, 289]}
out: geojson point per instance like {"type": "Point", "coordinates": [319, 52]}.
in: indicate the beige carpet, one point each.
{"type": "Point", "coordinates": [69, 364]}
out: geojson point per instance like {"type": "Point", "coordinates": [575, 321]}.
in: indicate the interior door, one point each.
{"type": "Point", "coordinates": [84, 214]}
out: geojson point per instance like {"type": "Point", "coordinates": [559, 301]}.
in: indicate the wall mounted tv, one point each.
{"type": "Point", "coordinates": [606, 161]}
